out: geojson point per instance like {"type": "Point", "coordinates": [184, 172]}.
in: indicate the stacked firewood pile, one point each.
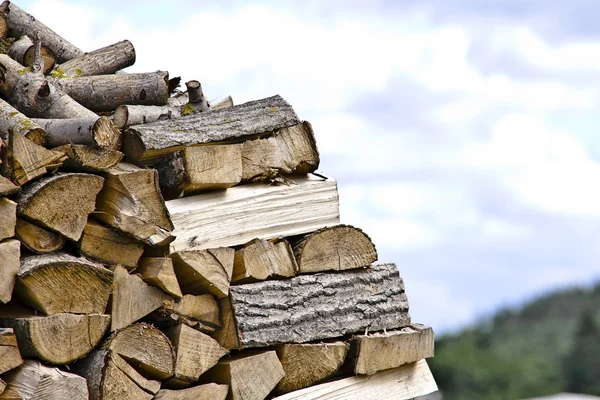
{"type": "Point", "coordinates": [156, 246]}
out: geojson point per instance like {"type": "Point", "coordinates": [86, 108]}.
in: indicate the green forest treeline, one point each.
{"type": "Point", "coordinates": [549, 345]}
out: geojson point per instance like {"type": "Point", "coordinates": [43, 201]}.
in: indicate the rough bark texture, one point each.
{"type": "Point", "coordinates": [247, 212]}
{"type": "Point", "coordinates": [107, 92]}
{"type": "Point", "coordinates": [334, 248]}
{"type": "Point", "coordinates": [10, 357]}
{"type": "Point", "coordinates": [23, 51]}
{"type": "Point", "coordinates": [37, 239]}
{"type": "Point", "coordinates": [151, 141]}
{"type": "Point", "coordinates": [10, 254]}
{"type": "Point", "coordinates": [12, 119]}
{"type": "Point", "coordinates": [61, 202]}
{"type": "Point", "coordinates": [322, 306]}
{"type": "Point", "coordinates": [89, 131]}
{"type": "Point", "coordinates": [384, 350]}
{"type": "Point", "coordinates": [89, 159]}
{"type": "Point", "coordinates": [262, 259]}
{"type": "Point", "coordinates": [159, 272]}
{"type": "Point", "coordinates": [210, 391]}
{"type": "Point", "coordinates": [307, 364]}
{"type": "Point", "coordinates": [131, 202]}
{"type": "Point", "coordinates": [8, 218]}
{"type": "Point", "coordinates": [106, 60]}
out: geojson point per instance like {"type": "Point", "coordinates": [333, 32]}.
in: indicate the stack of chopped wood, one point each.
{"type": "Point", "coordinates": [243, 284]}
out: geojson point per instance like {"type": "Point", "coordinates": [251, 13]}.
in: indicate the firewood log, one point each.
{"type": "Point", "coordinates": [319, 306]}
{"type": "Point", "coordinates": [246, 212]}
{"type": "Point", "coordinates": [109, 247]}
{"type": "Point", "coordinates": [20, 23]}
{"type": "Point", "coordinates": [211, 391]}
{"type": "Point", "coordinates": [30, 93]}
{"type": "Point", "coordinates": [145, 348]}
{"type": "Point", "coordinates": [23, 51]}
{"type": "Point", "coordinates": [90, 131]}
{"type": "Point", "coordinates": [12, 119]}
{"type": "Point", "coordinates": [195, 353]}
{"type": "Point", "coordinates": [204, 271]}
{"type": "Point", "coordinates": [37, 239]}
{"type": "Point", "coordinates": [384, 350]}
{"type": "Point", "coordinates": [8, 218]}
{"type": "Point", "coordinates": [133, 299]}
{"type": "Point", "coordinates": [33, 380]}
{"type": "Point", "coordinates": [61, 202]}
{"type": "Point", "coordinates": [198, 312]}
{"type": "Point", "coordinates": [196, 101]}
{"type": "Point", "coordinates": [262, 259]}
{"type": "Point", "coordinates": [249, 376]}
{"type": "Point", "coordinates": [10, 254]}
{"type": "Point", "coordinates": [334, 248]}
{"type": "Point", "coordinates": [227, 336]}
{"type": "Point", "coordinates": [149, 142]}
{"type": "Point", "coordinates": [307, 364]}
{"type": "Point", "coordinates": [106, 60]}
{"type": "Point", "coordinates": [107, 92]}
{"type": "Point", "coordinates": [2, 386]}
{"type": "Point", "coordinates": [57, 339]}
{"type": "Point", "coordinates": [61, 283]}
{"type": "Point", "coordinates": [3, 26]}
{"type": "Point", "coordinates": [159, 272]}
{"type": "Point", "coordinates": [83, 158]}
{"type": "Point", "coordinates": [131, 202]}
{"type": "Point", "coordinates": [7, 188]}
{"type": "Point", "coordinates": [10, 357]}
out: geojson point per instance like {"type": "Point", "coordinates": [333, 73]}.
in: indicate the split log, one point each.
{"type": "Point", "coordinates": [61, 283]}
{"type": "Point", "coordinates": [10, 358]}
{"type": "Point", "coordinates": [12, 120]}
{"type": "Point", "coordinates": [105, 245]}
{"type": "Point", "coordinates": [106, 60]}
{"type": "Point", "coordinates": [107, 92]}
{"type": "Point", "coordinates": [149, 142]}
{"type": "Point", "coordinates": [227, 336]}
{"type": "Point", "coordinates": [89, 131]}
{"type": "Point", "coordinates": [195, 353]}
{"type": "Point", "coordinates": [319, 306]}
{"type": "Point", "coordinates": [291, 150]}
{"type": "Point", "coordinates": [61, 202]}
{"type": "Point", "coordinates": [3, 29]}
{"type": "Point", "coordinates": [182, 99]}
{"type": "Point", "coordinates": [132, 299]}
{"type": "Point", "coordinates": [334, 248]}
{"type": "Point", "coordinates": [33, 380]}
{"type": "Point", "coordinates": [30, 93]}
{"type": "Point", "coordinates": [109, 377]}
{"type": "Point", "coordinates": [384, 350]}
{"type": "Point", "coordinates": [26, 161]}
{"type": "Point", "coordinates": [221, 104]}
{"type": "Point", "coordinates": [211, 391]}
{"type": "Point", "coordinates": [199, 168]}
{"type": "Point", "coordinates": [23, 51]}
{"type": "Point", "coordinates": [250, 377]}
{"type": "Point", "coordinates": [57, 339]}
{"type": "Point", "coordinates": [404, 383]}
{"type": "Point", "coordinates": [308, 364]}
{"type": "Point", "coordinates": [7, 188]}
{"type": "Point", "coordinates": [20, 23]}
{"type": "Point", "coordinates": [2, 386]}
{"type": "Point", "coordinates": [37, 239]}
{"type": "Point", "coordinates": [89, 159]}
{"type": "Point", "coordinates": [246, 212]}
{"type": "Point", "coordinates": [145, 348]}
{"type": "Point", "coordinates": [8, 218]}
{"type": "Point", "coordinates": [198, 312]}
{"type": "Point", "coordinates": [204, 271]}
{"type": "Point", "coordinates": [159, 272]}
{"type": "Point", "coordinates": [262, 259]}
{"type": "Point", "coordinates": [10, 254]}
{"type": "Point", "coordinates": [131, 202]}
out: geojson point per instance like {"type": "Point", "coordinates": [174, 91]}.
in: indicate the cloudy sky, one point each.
{"type": "Point", "coordinates": [462, 133]}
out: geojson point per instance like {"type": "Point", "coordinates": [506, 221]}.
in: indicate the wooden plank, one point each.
{"type": "Point", "coordinates": [243, 213]}
{"type": "Point", "coordinates": [403, 383]}
{"type": "Point", "coordinates": [319, 306]}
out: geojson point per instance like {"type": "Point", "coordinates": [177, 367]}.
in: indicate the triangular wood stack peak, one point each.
{"type": "Point", "coordinates": [154, 245]}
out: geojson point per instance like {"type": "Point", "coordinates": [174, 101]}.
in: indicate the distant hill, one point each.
{"type": "Point", "coordinates": [550, 345]}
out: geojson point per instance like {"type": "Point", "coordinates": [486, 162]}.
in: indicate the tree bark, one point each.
{"type": "Point", "coordinates": [150, 142]}
{"type": "Point", "coordinates": [8, 218]}
{"type": "Point", "coordinates": [10, 357]}
{"type": "Point", "coordinates": [104, 61]}
{"type": "Point", "coordinates": [10, 254]}
{"type": "Point", "coordinates": [12, 119]}
{"type": "Point", "coordinates": [262, 259]}
{"type": "Point", "coordinates": [89, 131]}
{"type": "Point", "coordinates": [319, 306]}
{"type": "Point", "coordinates": [37, 239]}
{"type": "Point", "coordinates": [23, 51]}
{"type": "Point", "coordinates": [159, 272]}
{"type": "Point", "coordinates": [107, 92]}
{"type": "Point", "coordinates": [211, 391]}
{"type": "Point", "coordinates": [61, 202]}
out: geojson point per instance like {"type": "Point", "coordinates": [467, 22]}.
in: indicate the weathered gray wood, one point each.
{"type": "Point", "coordinates": [21, 23]}
{"type": "Point", "coordinates": [152, 141]}
{"type": "Point", "coordinates": [89, 131]}
{"type": "Point", "coordinates": [106, 60]}
{"type": "Point", "coordinates": [319, 306]}
{"type": "Point", "coordinates": [107, 92]}
{"type": "Point", "coordinates": [10, 357]}
{"type": "Point", "coordinates": [10, 254]}
{"type": "Point", "coordinates": [23, 51]}
{"type": "Point", "coordinates": [12, 119]}
{"type": "Point", "coordinates": [243, 213]}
